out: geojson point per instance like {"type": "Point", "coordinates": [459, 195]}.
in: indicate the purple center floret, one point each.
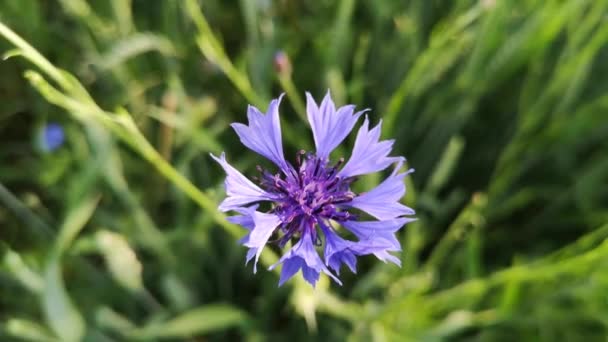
{"type": "Point", "coordinates": [309, 194]}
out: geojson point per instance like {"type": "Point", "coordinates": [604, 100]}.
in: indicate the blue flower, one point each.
{"type": "Point", "coordinates": [312, 198]}
{"type": "Point", "coordinates": [51, 137]}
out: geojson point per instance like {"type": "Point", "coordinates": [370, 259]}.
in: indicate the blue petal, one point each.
{"type": "Point", "coordinates": [239, 190]}
{"type": "Point", "coordinates": [250, 254]}
{"type": "Point", "coordinates": [265, 224]}
{"type": "Point", "coordinates": [311, 275]}
{"type": "Point", "coordinates": [369, 153]}
{"type": "Point", "coordinates": [370, 230]}
{"type": "Point", "coordinates": [245, 220]}
{"type": "Point", "coordinates": [290, 268]}
{"type": "Point", "coordinates": [339, 251]}
{"type": "Point", "coordinates": [303, 256]}
{"type": "Point", "coordinates": [382, 202]}
{"type": "Point", "coordinates": [263, 133]}
{"type": "Point", "coordinates": [387, 257]}
{"type": "Point", "coordinates": [377, 237]}
{"type": "Point", "coordinates": [329, 126]}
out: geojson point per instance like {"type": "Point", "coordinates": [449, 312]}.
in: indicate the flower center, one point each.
{"type": "Point", "coordinates": [310, 191]}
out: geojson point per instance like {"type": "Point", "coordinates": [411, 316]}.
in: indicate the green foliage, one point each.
{"type": "Point", "coordinates": [500, 106]}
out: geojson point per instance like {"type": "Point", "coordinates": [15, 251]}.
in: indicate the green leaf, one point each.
{"type": "Point", "coordinates": [198, 321]}
{"type": "Point", "coordinates": [28, 330]}
{"type": "Point", "coordinates": [14, 264]}
{"type": "Point", "coordinates": [120, 259]}
{"type": "Point", "coordinates": [12, 53]}
{"type": "Point", "coordinates": [446, 165]}
{"type": "Point", "coordinates": [74, 223]}
{"type": "Point", "coordinates": [107, 318]}
{"type": "Point", "coordinates": [134, 45]}
{"type": "Point", "coordinates": [61, 314]}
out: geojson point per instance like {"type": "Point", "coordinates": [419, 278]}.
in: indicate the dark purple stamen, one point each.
{"type": "Point", "coordinates": [313, 194]}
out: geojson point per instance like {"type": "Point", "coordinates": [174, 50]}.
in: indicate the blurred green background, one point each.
{"type": "Point", "coordinates": [500, 106]}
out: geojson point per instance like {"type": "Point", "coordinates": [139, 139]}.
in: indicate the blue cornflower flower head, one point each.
{"type": "Point", "coordinates": [312, 198]}
{"type": "Point", "coordinates": [51, 137]}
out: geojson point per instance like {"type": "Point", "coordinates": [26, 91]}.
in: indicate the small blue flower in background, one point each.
{"type": "Point", "coordinates": [312, 198]}
{"type": "Point", "coordinates": [51, 137]}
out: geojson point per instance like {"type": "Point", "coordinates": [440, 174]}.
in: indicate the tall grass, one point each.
{"type": "Point", "coordinates": [500, 106]}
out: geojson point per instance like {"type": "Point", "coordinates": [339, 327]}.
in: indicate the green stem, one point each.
{"type": "Point", "coordinates": [23, 212]}
{"type": "Point", "coordinates": [213, 50]}
{"type": "Point", "coordinates": [34, 56]}
{"type": "Point", "coordinates": [526, 273]}
{"type": "Point", "coordinates": [289, 87]}
{"type": "Point", "coordinates": [80, 104]}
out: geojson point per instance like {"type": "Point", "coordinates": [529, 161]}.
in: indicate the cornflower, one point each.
{"type": "Point", "coordinates": [312, 198]}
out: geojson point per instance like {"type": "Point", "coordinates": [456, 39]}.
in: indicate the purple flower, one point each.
{"type": "Point", "coordinates": [312, 198]}
{"type": "Point", "coordinates": [51, 137]}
